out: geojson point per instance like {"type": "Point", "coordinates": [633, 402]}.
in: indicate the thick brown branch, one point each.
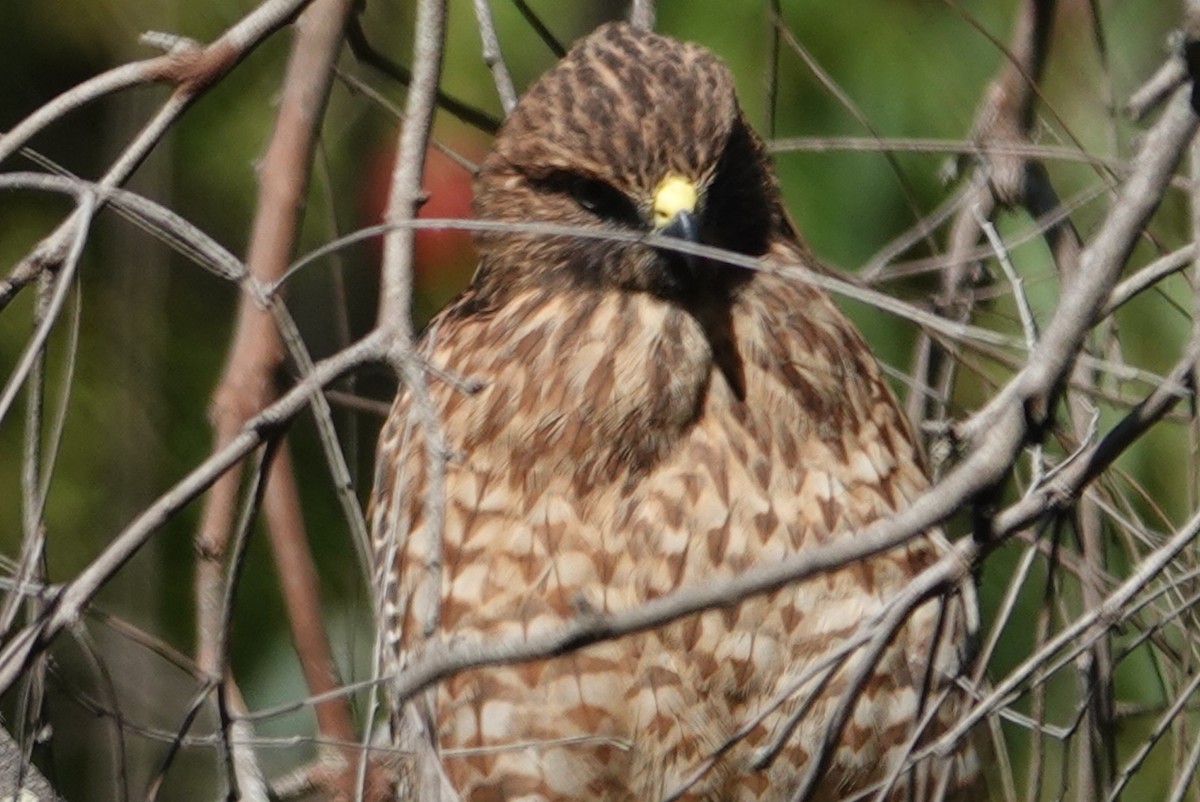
{"type": "Point", "coordinates": [248, 383]}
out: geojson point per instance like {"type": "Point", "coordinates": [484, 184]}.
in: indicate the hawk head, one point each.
{"type": "Point", "coordinates": [636, 132]}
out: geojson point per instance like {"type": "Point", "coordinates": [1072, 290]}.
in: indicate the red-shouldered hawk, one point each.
{"type": "Point", "coordinates": [648, 421]}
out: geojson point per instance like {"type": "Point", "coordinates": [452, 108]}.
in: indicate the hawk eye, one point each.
{"type": "Point", "coordinates": [603, 200]}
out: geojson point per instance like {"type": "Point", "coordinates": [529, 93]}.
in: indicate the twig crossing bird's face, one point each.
{"type": "Point", "coordinates": [631, 131]}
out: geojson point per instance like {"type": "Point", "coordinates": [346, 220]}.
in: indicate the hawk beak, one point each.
{"type": "Point", "coordinates": [675, 212]}
{"type": "Point", "coordinates": [684, 226]}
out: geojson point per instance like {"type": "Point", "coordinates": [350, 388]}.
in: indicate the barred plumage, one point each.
{"type": "Point", "coordinates": [649, 421]}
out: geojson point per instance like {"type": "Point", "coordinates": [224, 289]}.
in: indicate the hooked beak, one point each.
{"type": "Point", "coordinates": [683, 225]}
{"type": "Point", "coordinates": [675, 213]}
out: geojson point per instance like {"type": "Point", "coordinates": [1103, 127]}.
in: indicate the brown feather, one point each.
{"type": "Point", "coordinates": [635, 434]}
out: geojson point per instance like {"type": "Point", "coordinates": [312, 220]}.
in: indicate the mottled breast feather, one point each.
{"type": "Point", "coordinates": [629, 440]}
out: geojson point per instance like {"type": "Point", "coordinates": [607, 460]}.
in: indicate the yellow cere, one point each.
{"type": "Point", "coordinates": [675, 194]}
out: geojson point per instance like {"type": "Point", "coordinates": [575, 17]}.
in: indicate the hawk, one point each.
{"type": "Point", "coordinates": [648, 420]}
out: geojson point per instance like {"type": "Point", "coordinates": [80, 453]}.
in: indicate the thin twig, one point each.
{"type": "Point", "coordinates": [642, 14]}
{"type": "Point", "coordinates": [1028, 324]}
{"type": "Point", "coordinates": [395, 310]}
{"type": "Point", "coordinates": [493, 57]}
{"type": "Point", "coordinates": [1148, 276]}
{"type": "Point", "coordinates": [1170, 76]}
{"type": "Point", "coordinates": [65, 280]}
{"type": "Point", "coordinates": [244, 778]}
{"type": "Point", "coordinates": [539, 27]}
{"type": "Point", "coordinates": [177, 742]}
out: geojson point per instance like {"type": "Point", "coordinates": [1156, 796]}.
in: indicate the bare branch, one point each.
{"type": "Point", "coordinates": [19, 779]}
{"type": "Point", "coordinates": [492, 56]}
{"type": "Point", "coordinates": [1169, 77]}
{"type": "Point", "coordinates": [642, 14]}
{"type": "Point", "coordinates": [395, 310]}
{"type": "Point", "coordinates": [539, 27]}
